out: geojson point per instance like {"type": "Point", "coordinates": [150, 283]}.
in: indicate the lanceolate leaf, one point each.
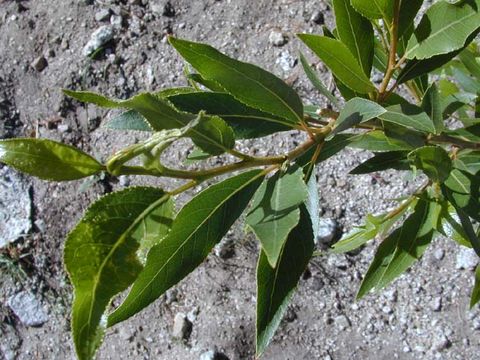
{"type": "Point", "coordinates": [246, 121]}
{"type": "Point", "coordinates": [356, 111]}
{"type": "Point", "coordinates": [377, 141]}
{"type": "Point", "coordinates": [415, 68]}
{"type": "Point", "coordinates": [464, 192]}
{"type": "Point", "coordinates": [444, 28]}
{"type": "Point", "coordinates": [470, 133]}
{"type": "Point", "coordinates": [383, 161]}
{"type": "Point", "coordinates": [433, 160]}
{"type": "Point", "coordinates": [100, 255]}
{"type": "Point", "coordinates": [359, 235]}
{"type": "Point", "coordinates": [432, 106]}
{"type": "Point", "coordinates": [47, 159]}
{"type": "Point", "coordinates": [312, 76]}
{"type": "Point", "coordinates": [410, 116]}
{"type": "Point", "coordinates": [469, 60]}
{"type": "Point", "coordinates": [374, 9]}
{"type": "Point", "coordinates": [198, 227]}
{"type": "Point", "coordinates": [356, 32]}
{"type": "Point", "coordinates": [159, 114]}
{"type": "Point", "coordinates": [401, 248]}
{"type": "Point", "coordinates": [275, 286]}
{"type": "Point", "coordinates": [340, 61]}
{"type": "Point", "coordinates": [246, 82]}
{"type": "Point", "coordinates": [129, 120]}
{"type": "Point", "coordinates": [475, 297]}
{"type": "Point", "coordinates": [274, 211]}
{"type": "Point", "coordinates": [466, 206]}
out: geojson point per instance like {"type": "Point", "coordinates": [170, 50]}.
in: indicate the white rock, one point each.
{"type": "Point", "coordinates": [15, 206]}
{"type": "Point", "coordinates": [182, 327]}
{"type": "Point", "coordinates": [285, 61]}
{"type": "Point", "coordinates": [208, 355]}
{"type": "Point", "coordinates": [326, 231]}
{"type": "Point", "coordinates": [98, 38]}
{"type": "Point", "coordinates": [277, 38]}
{"type": "Point", "coordinates": [28, 309]}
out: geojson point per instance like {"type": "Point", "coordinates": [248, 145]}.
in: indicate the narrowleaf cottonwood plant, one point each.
{"type": "Point", "coordinates": [133, 239]}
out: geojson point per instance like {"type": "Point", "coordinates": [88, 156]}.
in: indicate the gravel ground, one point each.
{"type": "Point", "coordinates": [424, 314]}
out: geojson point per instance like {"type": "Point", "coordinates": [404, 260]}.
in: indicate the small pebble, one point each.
{"type": "Point", "coordinates": [182, 327]}
{"type": "Point", "coordinates": [102, 15]}
{"type": "Point", "coordinates": [277, 38]}
{"type": "Point", "coordinates": [342, 322]}
{"type": "Point", "coordinates": [439, 254]}
{"type": "Point", "coordinates": [98, 38]}
{"type": "Point", "coordinates": [39, 64]}
{"type": "Point", "coordinates": [437, 304]}
{"type": "Point", "coordinates": [318, 18]}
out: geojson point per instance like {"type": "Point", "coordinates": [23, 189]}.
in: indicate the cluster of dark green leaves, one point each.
{"type": "Point", "coordinates": [134, 239]}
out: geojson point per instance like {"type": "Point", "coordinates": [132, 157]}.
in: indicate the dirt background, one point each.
{"type": "Point", "coordinates": [423, 315]}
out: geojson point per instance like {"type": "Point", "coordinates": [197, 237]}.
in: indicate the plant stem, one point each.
{"type": "Point", "coordinates": [392, 57]}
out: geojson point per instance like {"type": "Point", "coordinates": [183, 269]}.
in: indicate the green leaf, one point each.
{"type": "Point", "coordinates": [358, 236]}
{"type": "Point", "coordinates": [129, 120]}
{"type": "Point", "coordinates": [211, 85]}
{"type": "Point", "coordinates": [401, 248]}
{"type": "Point", "coordinates": [432, 106]}
{"type": "Point", "coordinates": [100, 255]}
{"type": "Point", "coordinates": [475, 297]}
{"type": "Point", "coordinates": [453, 230]}
{"type": "Point", "coordinates": [274, 211]}
{"type": "Point", "coordinates": [383, 161]}
{"type": "Point", "coordinates": [444, 28]}
{"type": "Point", "coordinates": [158, 113]}
{"type": "Point", "coordinates": [356, 111]}
{"type": "Point", "coordinates": [340, 61]}
{"type": "Point", "coordinates": [377, 141]}
{"type": "Point", "coordinates": [433, 160]}
{"type": "Point", "coordinates": [246, 122]}
{"type": "Point", "coordinates": [275, 286]}
{"type": "Point", "coordinates": [356, 32]}
{"type": "Point", "coordinates": [47, 159]}
{"type": "Point", "coordinates": [196, 155]}
{"type": "Point", "coordinates": [466, 205]}
{"type": "Point", "coordinates": [469, 133]}
{"type": "Point", "coordinates": [470, 160]}
{"type": "Point", "coordinates": [246, 82]}
{"type": "Point", "coordinates": [408, 10]}
{"type": "Point", "coordinates": [469, 60]}
{"type": "Point", "coordinates": [464, 194]}
{"type": "Point", "coordinates": [312, 76]}
{"type": "Point", "coordinates": [380, 57]}
{"type": "Point", "coordinates": [374, 9]}
{"type": "Point", "coordinates": [410, 116]}
{"type": "Point", "coordinates": [198, 227]}
{"type": "Point", "coordinates": [414, 68]}
{"type": "Point", "coordinates": [374, 225]}
{"type": "Point", "coordinates": [212, 135]}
